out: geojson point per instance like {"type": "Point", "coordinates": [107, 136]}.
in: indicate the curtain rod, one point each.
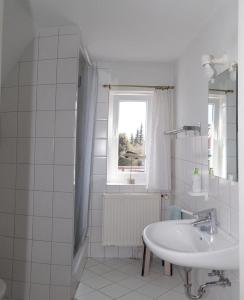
{"type": "Point", "coordinates": [161, 87]}
{"type": "Point", "coordinates": [219, 90]}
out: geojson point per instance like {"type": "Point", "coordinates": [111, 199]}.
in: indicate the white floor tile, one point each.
{"type": "Point", "coordinates": [93, 296]}
{"type": "Point", "coordinates": [132, 283]}
{"type": "Point", "coordinates": [135, 296]}
{"type": "Point", "coordinates": [115, 276]}
{"type": "Point", "coordinates": [97, 282]}
{"type": "Point", "coordinates": [152, 290]}
{"type": "Point", "coordinates": [100, 269]}
{"type": "Point", "coordinates": [115, 291]}
{"type": "Point", "coordinates": [172, 296]}
{"type": "Point", "coordinates": [83, 290]}
{"type": "Point", "coordinates": [119, 278]}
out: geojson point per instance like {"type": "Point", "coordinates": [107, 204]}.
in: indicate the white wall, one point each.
{"type": "Point", "coordinates": [220, 37]}
{"type": "Point", "coordinates": [140, 73]}
{"type": "Point", "coordinates": [18, 32]}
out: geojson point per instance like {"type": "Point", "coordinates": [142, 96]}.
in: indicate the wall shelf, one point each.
{"type": "Point", "coordinates": [200, 194]}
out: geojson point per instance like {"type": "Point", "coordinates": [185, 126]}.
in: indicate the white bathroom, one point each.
{"type": "Point", "coordinates": [121, 150]}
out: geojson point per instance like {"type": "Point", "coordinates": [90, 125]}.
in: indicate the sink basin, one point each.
{"type": "Point", "coordinates": [180, 243]}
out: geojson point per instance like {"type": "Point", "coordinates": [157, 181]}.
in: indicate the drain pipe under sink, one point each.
{"type": "Point", "coordinates": [222, 281]}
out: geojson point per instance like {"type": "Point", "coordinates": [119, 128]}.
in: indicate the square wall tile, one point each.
{"type": "Point", "coordinates": [97, 201]}
{"type": "Point", "coordinates": [12, 78]}
{"type": "Point", "coordinates": [69, 29]}
{"type": "Point", "coordinates": [46, 97]}
{"type": "Point", "coordinates": [20, 290]}
{"type": "Point", "coordinates": [23, 227]}
{"type": "Point", "coordinates": [97, 218]}
{"type": "Point", "coordinates": [21, 271]}
{"type": "Point", "coordinates": [63, 205]}
{"type": "Point", "coordinates": [101, 130]}
{"type": "Point", "coordinates": [62, 230]}
{"type": "Point", "coordinates": [6, 225]}
{"type": "Point", "coordinates": [25, 150]}
{"type": "Point", "coordinates": [43, 203]}
{"type": "Point", "coordinates": [48, 31]}
{"type": "Point", "coordinates": [40, 273]}
{"type": "Point", "coordinates": [65, 124]}
{"type": "Point", "coordinates": [100, 147]}
{"type": "Point", "coordinates": [28, 73]}
{"type": "Point", "coordinates": [31, 52]}
{"type": "Point", "coordinates": [61, 275]}
{"type": "Point", "coordinates": [8, 150]}
{"type": "Point", "coordinates": [63, 178]}
{"type": "Point", "coordinates": [99, 183]}
{"type": "Point", "coordinates": [22, 249]}
{"type": "Point", "coordinates": [7, 200]}
{"type": "Point", "coordinates": [65, 151]}
{"type": "Point", "coordinates": [24, 202]}
{"type": "Point", "coordinates": [5, 268]}
{"type": "Point", "coordinates": [6, 249]}
{"type": "Point", "coordinates": [100, 165]}
{"type": "Point", "coordinates": [42, 228]}
{"type": "Point", "coordinates": [8, 124]}
{"type": "Point", "coordinates": [48, 47]}
{"type": "Point", "coordinates": [103, 94]}
{"type": "Point", "coordinates": [41, 252]}
{"type": "Point", "coordinates": [59, 293]}
{"type": "Point", "coordinates": [45, 123]}
{"type": "Point", "coordinates": [26, 124]}
{"type": "Point", "coordinates": [47, 71]}
{"type": "Point", "coordinates": [66, 97]}
{"type": "Point", "coordinates": [27, 98]}
{"type": "Point", "coordinates": [7, 176]}
{"type": "Point", "coordinates": [62, 254]}
{"type": "Point", "coordinates": [25, 176]}
{"type": "Point", "coordinates": [67, 71]}
{"type": "Point", "coordinates": [97, 250]}
{"type": "Point", "coordinates": [9, 99]}
{"type": "Point", "coordinates": [44, 151]}
{"type": "Point", "coordinates": [102, 111]}
{"type": "Point", "coordinates": [39, 292]}
{"type": "Point", "coordinates": [68, 46]}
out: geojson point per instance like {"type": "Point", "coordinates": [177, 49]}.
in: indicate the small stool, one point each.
{"type": "Point", "coordinates": [146, 263]}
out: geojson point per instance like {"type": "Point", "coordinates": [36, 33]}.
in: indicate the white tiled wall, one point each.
{"type": "Point", "coordinates": [37, 151]}
{"type": "Point", "coordinates": [191, 152]}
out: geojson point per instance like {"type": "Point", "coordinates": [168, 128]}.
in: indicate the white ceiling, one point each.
{"type": "Point", "coordinates": [130, 30]}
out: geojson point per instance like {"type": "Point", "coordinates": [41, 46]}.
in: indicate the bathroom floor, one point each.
{"type": "Point", "coordinates": [105, 279]}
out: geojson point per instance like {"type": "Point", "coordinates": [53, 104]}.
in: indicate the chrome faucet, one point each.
{"type": "Point", "coordinates": [206, 220]}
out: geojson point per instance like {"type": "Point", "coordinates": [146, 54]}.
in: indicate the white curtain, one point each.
{"type": "Point", "coordinates": [158, 152]}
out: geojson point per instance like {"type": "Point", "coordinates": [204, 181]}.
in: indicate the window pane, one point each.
{"type": "Point", "coordinates": [131, 129]}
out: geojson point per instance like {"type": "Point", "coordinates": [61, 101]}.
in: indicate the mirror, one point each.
{"type": "Point", "coordinates": [223, 126]}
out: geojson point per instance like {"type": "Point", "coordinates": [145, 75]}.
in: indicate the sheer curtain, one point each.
{"type": "Point", "coordinates": [158, 152]}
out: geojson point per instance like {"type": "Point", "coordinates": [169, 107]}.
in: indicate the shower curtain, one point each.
{"type": "Point", "coordinates": [86, 110]}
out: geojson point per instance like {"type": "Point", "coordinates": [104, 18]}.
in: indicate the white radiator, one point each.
{"type": "Point", "coordinates": [126, 215]}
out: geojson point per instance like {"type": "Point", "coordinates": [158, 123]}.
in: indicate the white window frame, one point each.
{"type": "Point", "coordinates": [114, 176]}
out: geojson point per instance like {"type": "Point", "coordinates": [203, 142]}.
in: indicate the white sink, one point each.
{"type": "Point", "coordinates": [180, 243]}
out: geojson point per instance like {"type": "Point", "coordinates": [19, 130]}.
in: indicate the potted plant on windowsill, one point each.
{"type": "Point", "coordinates": [132, 156]}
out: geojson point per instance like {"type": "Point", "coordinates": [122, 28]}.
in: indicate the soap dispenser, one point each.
{"type": "Point", "coordinates": [196, 181]}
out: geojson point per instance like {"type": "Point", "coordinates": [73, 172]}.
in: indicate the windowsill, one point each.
{"type": "Point", "coordinates": [124, 184]}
